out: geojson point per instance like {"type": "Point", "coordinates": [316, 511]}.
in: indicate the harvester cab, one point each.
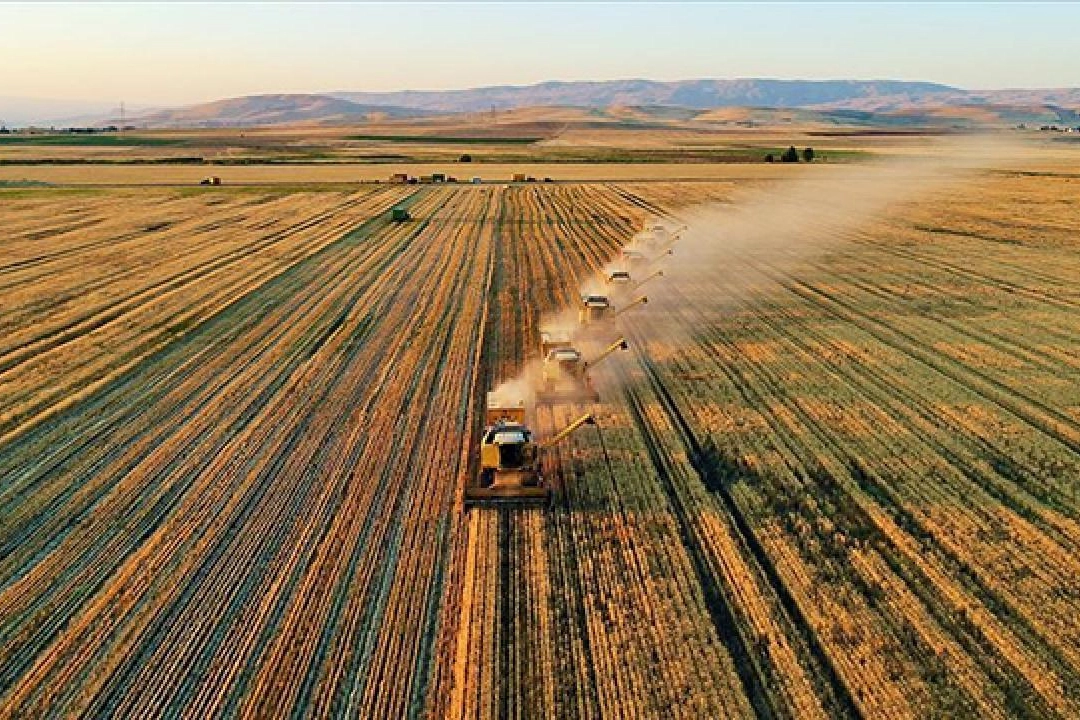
{"type": "Point", "coordinates": [510, 464]}
{"type": "Point", "coordinates": [594, 308]}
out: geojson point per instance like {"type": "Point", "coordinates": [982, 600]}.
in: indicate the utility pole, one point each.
{"type": "Point", "coordinates": [122, 116]}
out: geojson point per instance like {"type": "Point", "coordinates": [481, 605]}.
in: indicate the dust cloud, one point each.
{"type": "Point", "coordinates": [720, 250]}
{"type": "Point", "coordinates": [726, 247]}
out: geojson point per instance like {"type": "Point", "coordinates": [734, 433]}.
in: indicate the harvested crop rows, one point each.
{"type": "Point", "coordinates": [235, 427]}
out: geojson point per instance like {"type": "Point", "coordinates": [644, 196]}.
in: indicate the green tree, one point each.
{"type": "Point", "coordinates": [808, 154]}
{"type": "Point", "coordinates": [791, 155]}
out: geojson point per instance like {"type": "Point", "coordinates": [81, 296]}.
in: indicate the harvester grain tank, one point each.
{"type": "Point", "coordinates": [565, 373]}
{"type": "Point", "coordinates": [510, 458]}
{"type": "Point", "coordinates": [619, 277]}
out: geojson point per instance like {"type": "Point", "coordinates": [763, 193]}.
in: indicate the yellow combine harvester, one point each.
{"type": "Point", "coordinates": [596, 308]}
{"type": "Point", "coordinates": [656, 235]}
{"type": "Point", "coordinates": [565, 374]}
{"type": "Point", "coordinates": [510, 459]}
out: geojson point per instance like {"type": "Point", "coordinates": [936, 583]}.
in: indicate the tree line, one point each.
{"type": "Point", "coordinates": [791, 155]}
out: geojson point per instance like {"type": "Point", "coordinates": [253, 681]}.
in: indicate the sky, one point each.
{"type": "Point", "coordinates": [178, 53]}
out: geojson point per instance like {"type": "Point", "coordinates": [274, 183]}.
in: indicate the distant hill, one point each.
{"type": "Point", "coordinates": [645, 101]}
{"type": "Point", "coordinates": [271, 110]}
{"type": "Point", "coordinates": [695, 94]}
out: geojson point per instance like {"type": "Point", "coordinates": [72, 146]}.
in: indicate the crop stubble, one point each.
{"type": "Point", "coordinates": [235, 430]}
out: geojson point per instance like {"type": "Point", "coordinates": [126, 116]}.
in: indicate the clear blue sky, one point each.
{"type": "Point", "coordinates": [188, 52]}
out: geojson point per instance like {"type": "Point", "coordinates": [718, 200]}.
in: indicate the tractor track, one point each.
{"type": "Point", "coordinates": [843, 703]}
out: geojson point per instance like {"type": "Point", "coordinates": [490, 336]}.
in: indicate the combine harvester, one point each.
{"type": "Point", "coordinates": [621, 281]}
{"type": "Point", "coordinates": [650, 247]}
{"type": "Point", "coordinates": [597, 308]}
{"type": "Point", "coordinates": [565, 375]}
{"type": "Point", "coordinates": [510, 459]}
{"type": "Point", "coordinates": [657, 236]}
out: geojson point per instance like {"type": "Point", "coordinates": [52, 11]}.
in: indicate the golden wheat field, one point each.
{"type": "Point", "coordinates": [829, 479]}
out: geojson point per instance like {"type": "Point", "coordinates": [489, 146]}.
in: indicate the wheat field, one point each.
{"type": "Point", "coordinates": [836, 480]}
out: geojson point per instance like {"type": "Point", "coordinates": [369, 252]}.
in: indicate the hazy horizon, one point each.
{"type": "Point", "coordinates": [181, 54]}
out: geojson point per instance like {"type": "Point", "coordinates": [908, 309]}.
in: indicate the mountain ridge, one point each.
{"type": "Point", "coordinates": [701, 94]}
{"type": "Point", "coordinates": [885, 98]}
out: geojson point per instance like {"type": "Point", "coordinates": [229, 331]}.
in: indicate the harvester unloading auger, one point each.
{"type": "Point", "coordinates": [565, 374]}
{"type": "Point", "coordinates": [510, 459]}
{"type": "Point", "coordinates": [657, 274]}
